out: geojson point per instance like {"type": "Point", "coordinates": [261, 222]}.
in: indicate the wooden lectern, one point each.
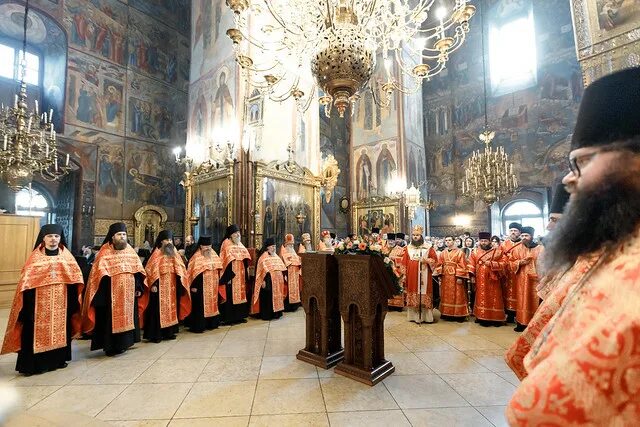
{"type": "Point", "coordinates": [365, 287]}
{"type": "Point", "coordinates": [323, 346]}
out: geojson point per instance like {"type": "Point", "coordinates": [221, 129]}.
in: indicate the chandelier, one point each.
{"type": "Point", "coordinates": [287, 48]}
{"type": "Point", "coordinates": [27, 139]}
{"type": "Point", "coordinates": [488, 173]}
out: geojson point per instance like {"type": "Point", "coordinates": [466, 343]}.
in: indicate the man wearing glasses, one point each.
{"type": "Point", "coordinates": [583, 366]}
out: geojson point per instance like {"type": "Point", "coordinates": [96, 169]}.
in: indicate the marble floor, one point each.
{"type": "Point", "coordinates": [447, 374]}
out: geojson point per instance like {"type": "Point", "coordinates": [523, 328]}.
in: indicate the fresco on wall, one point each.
{"type": "Point", "coordinates": [376, 167]}
{"type": "Point", "coordinates": [210, 45]}
{"type": "Point", "coordinates": [86, 155]}
{"type": "Point", "coordinates": [98, 27]}
{"type": "Point", "coordinates": [157, 51]}
{"type": "Point", "coordinates": [533, 125]}
{"type": "Point", "coordinates": [172, 12]}
{"type": "Point", "coordinates": [110, 184]}
{"type": "Point", "coordinates": [95, 94]}
{"type": "Point", "coordinates": [156, 112]}
{"type": "Point", "coordinates": [152, 176]}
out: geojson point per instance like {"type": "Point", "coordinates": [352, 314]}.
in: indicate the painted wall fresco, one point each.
{"type": "Point", "coordinates": [533, 124]}
{"type": "Point", "coordinates": [156, 51]}
{"type": "Point", "coordinates": [110, 182]}
{"type": "Point", "coordinates": [95, 93]}
{"type": "Point", "coordinates": [175, 13]}
{"type": "Point", "coordinates": [210, 45]}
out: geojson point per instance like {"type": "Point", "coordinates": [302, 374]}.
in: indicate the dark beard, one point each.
{"type": "Point", "coordinates": [530, 244]}
{"type": "Point", "coordinates": [169, 249]}
{"type": "Point", "coordinates": [418, 242]}
{"type": "Point", "coordinates": [486, 247]}
{"type": "Point", "coordinates": [594, 219]}
{"type": "Point", "coordinates": [119, 245]}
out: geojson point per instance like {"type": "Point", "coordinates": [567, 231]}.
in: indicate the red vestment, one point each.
{"type": "Point", "coordinates": [235, 254]}
{"type": "Point", "coordinates": [273, 265]}
{"type": "Point", "coordinates": [164, 269]}
{"type": "Point", "coordinates": [121, 266]}
{"type": "Point", "coordinates": [526, 280]}
{"type": "Point", "coordinates": [49, 276]}
{"type": "Point", "coordinates": [294, 274]}
{"type": "Point", "coordinates": [509, 290]}
{"type": "Point", "coordinates": [397, 254]}
{"type": "Point", "coordinates": [412, 263]}
{"type": "Point", "coordinates": [486, 266]}
{"type": "Point", "coordinates": [452, 266]}
{"type": "Point", "coordinates": [210, 269]}
{"type": "Point", "coordinates": [583, 368]}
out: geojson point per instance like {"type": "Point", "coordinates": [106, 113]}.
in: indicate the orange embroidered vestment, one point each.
{"type": "Point", "coordinates": [397, 254]}
{"type": "Point", "coordinates": [121, 266]}
{"type": "Point", "coordinates": [452, 265]}
{"type": "Point", "coordinates": [268, 264]}
{"type": "Point", "coordinates": [509, 278]}
{"type": "Point", "coordinates": [235, 255]}
{"type": "Point", "coordinates": [49, 276]}
{"type": "Point", "coordinates": [210, 269]}
{"type": "Point", "coordinates": [526, 281]}
{"type": "Point", "coordinates": [164, 269]}
{"type": "Point", "coordinates": [486, 266]}
{"type": "Point", "coordinates": [412, 264]}
{"type": "Point", "coordinates": [294, 274]}
{"type": "Point", "coordinates": [584, 367]}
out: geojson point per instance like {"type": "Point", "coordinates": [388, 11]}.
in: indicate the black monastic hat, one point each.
{"type": "Point", "coordinates": [116, 227]}
{"type": "Point", "coordinates": [391, 236]}
{"type": "Point", "coordinates": [50, 229]}
{"type": "Point", "coordinates": [609, 111]}
{"type": "Point", "coordinates": [529, 230]}
{"type": "Point", "coordinates": [375, 230]}
{"type": "Point", "coordinates": [560, 199]}
{"type": "Point", "coordinates": [515, 225]}
{"type": "Point", "coordinates": [401, 236]}
{"type": "Point", "coordinates": [164, 234]}
{"type": "Point", "coordinates": [333, 235]}
{"type": "Point", "coordinates": [204, 241]}
{"type": "Point", "coordinates": [270, 241]}
{"type": "Point", "coordinates": [233, 228]}
{"type": "Point", "coordinates": [484, 235]}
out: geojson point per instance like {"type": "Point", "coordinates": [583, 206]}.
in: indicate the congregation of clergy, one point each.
{"type": "Point", "coordinates": [575, 296]}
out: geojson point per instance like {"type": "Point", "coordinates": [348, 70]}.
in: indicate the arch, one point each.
{"type": "Point", "coordinates": [147, 221]}
{"type": "Point", "coordinates": [385, 168]}
{"type": "Point", "coordinates": [524, 211]}
{"type": "Point", "coordinates": [363, 176]}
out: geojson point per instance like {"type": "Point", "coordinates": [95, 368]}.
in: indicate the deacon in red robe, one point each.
{"type": "Point", "coordinates": [452, 269]}
{"type": "Point", "coordinates": [584, 366]}
{"type": "Point", "coordinates": [509, 278]}
{"type": "Point", "coordinates": [270, 282]}
{"type": "Point", "coordinates": [419, 261]}
{"type": "Point", "coordinates": [294, 274]}
{"type": "Point", "coordinates": [396, 253]}
{"type": "Point", "coordinates": [170, 298]}
{"type": "Point", "coordinates": [485, 265]}
{"type": "Point", "coordinates": [235, 261]}
{"type": "Point", "coordinates": [523, 261]}
{"type": "Point", "coordinates": [116, 295]}
{"type": "Point", "coordinates": [45, 314]}
{"type": "Point", "coordinates": [203, 277]}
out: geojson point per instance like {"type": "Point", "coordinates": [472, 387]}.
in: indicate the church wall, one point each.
{"type": "Point", "coordinates": [534, 124]}
{"type": "Point", "coordinates": [127, 73]}
{"type": "Point", "coordinates": [607, 36]}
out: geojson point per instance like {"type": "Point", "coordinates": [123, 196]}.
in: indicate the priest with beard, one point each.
{"type": "Point", "coordinates": [294, 274]}
{"type": "Point", "coordinates": [582, 369]}
{"type": "Point", "coordinates": [169, 299]}
{"type": "Point", "coordinates": [235, 262]}
{"type": "Point", "coordinates": [559, 201]}
{"type": "Point", "coordinates": [45, 314]}
{"type": "Point", "coordinates": [509, 279]}
{"type": "Point", "coordinates": [485, 265]}
{"type": "Point", "coordinates": [396, 253]}
{"type": "Point", "coordinates": [203, 276]}
{"type": "Point", "coordinates": [270, 282]}
{"type": "Point", "coordinates": [452, 269]}
{"type": "Point", "coordinates": [116, 294]}
{"type": "Point", "coordinates": [522, 262]}
{"type": "Point", "coordinates": [306, 245]}
{"type": "Point", "coordinates": [326, 242]}
{"type": "Point", "coordinates": [419, 260]}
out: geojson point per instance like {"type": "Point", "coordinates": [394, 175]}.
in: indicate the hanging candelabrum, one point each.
{"type": "Point", "coordinates": [28, 140]}
{"type": "Point", "coordinates": [489, 173]}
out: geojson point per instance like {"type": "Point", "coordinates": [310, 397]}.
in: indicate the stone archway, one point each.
{"type": "Point", "coordinates": [148, 221]}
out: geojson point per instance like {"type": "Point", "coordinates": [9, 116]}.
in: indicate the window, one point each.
{"type": "Point", "coordinates": [11, 69]}
{"type": "Point", "coordinates": [512, 55]}
{"type": "Point", "coordinates": [524, 212]}
{"type": "Point", "coordinates": [33, 203]}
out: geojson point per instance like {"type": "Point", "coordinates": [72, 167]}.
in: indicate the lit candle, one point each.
{"type": "Point", "coordinates": [55, 162]}
{"type": "Point", "coordinates": [46, 145]}
{"type": "Point", "coordinates": [67, 161]}
{"type": "Point", "coordinates": [36, 107]}
{"type": "Point", "coordinates": [50, 114]}
{"type": "Point", "coordinates": [45, 117]}
{"type": "Point", "coordinates": [15, 101]}
{"type": "Point", "coordinates": [5, 142]}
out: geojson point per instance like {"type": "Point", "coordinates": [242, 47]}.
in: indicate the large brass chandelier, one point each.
{"type": "Point", "coordinates": [27, 139]}
{"type": "Point", "coordinates": [287, 47]}
{"type": "Point", "coordinates": [488, 173]}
